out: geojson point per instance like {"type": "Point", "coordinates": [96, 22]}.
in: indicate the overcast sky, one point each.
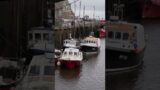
{"type": "Point", "coordinates": [89, 10]}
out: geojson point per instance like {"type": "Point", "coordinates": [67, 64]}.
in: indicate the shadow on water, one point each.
{"type": "Point", "coordinates": [124, 80]}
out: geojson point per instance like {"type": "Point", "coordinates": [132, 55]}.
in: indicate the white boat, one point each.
{"type": "Point", "coordinates": [125, 45]}
{"type": "Point", "coordinates": [40, 40]}
{"type": "Point", "coordinates": [90, 44]}
{"type": "Point", "coordinates": [70, 58]}
{"type": "Point", "coordinates": [40, 74]}
{"type": "Point", "coordinates": [71, 43]}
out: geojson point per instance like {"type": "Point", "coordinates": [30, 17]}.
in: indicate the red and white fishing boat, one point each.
{"type": "Point", "coordinates": [102, 33]}
{"type": "Point", "coordinates": [70, 58]}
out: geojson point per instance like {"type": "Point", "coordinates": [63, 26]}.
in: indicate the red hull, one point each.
{"type": "Point", "coordinates": [5, 88]}
{"type": "Point", "coordinates": [69, 64]}
{"type": "Point", "coordinates": [151, 11]}
{"type": "Point", "coordinates": [102, 33]}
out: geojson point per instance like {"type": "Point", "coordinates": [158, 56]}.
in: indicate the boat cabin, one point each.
{"type": "Point", "coordinates": [40, 74]}
{"type": "Point", "coordinates": [40, 38]}
{"type": "Point", "coordinates": [72, 54]}
{"type": "Point", "coordinates": [125, 35]}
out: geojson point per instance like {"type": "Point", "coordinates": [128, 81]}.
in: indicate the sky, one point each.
{"type": "Point", "coordinates": [89, 8]}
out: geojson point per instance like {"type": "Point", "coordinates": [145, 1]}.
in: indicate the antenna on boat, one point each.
{"type": "Point", "coordinates": [118, 9]}
{"type": "Point", "coordinates": [70, 36]}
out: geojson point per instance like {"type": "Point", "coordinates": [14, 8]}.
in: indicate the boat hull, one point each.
{"type": "Point", "coordinates": [89, 49]}
{"type": "Point", "coordinates": [39, 51]}
{"type": "Point", "coordinates": [71, 47]}
{"type": "Point", "coordinates": [151, 11]}
{"type": "Point", "coordinates": [68, 63]}
{"type": "Point", "coordinates": [121, 60]}
{"type": "Point", "coordinates": [102, 33]}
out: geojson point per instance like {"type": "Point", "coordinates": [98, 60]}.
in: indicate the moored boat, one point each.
{"type": "Point", "coordinates": [102, 33]}
{"type": "Point", "coordinates": [40, 74]}
{"type": "Point", "coordinates": [125, 45]}
{"type": "Point", "coordinates": [40, 40]}
{"type": "Point", "coordinates": [90, 44]}
{"type": "Point", "coordinates": [71, 43]}
{"type": "Point", "coordinates": [70, 58]}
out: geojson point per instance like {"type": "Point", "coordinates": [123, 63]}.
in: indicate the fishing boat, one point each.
{"type": "Point", "coordinates": [40, 74]}
{"type": "Point", "coordinates": [90, 44]}
{"type": "Point", "coordinates": [70, 58]}
{"type": "Point", "coordinates": [40, 40]}
{"type": "Point", "coordinates": [102, 33]}
{"type": "Point", "coordinates": [71, 43]}
{"type": "Point", "coordinates": [125, 45]}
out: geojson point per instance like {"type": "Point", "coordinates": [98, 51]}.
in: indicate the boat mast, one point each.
{"type": "Point", "coordinates": [83, 18]}
{"type": "Point", "coordinates": [74, 18]}
{"type": "Point", "coordinates": [93, 17]}
{"type": "Point", "coordinates": [79, 18]}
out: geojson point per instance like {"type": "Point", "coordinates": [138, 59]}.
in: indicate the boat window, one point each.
{"type": "Point", "coordinates": [65, 53]}
{"type": "Point", "coordinates": [30, 36]}
{"type": "Point", "coordinates": [75, 53]}
{"type": "Point", "coordinates": [125, 36]}
{"type": "Point", "coordinates": [34, 71]}
{"type": "Point", "coordinates": [48, 70]}
{"type": "Point", "coordinates": [110, 34]}
{"type": "Point", "coordinates": [70, 53]}
{"type": "Point", "coordinates": [38, 36]}
{"type": "Point", "coordinates": [118, 35]}
{"type": "Point", "coordinates": [46, 36]}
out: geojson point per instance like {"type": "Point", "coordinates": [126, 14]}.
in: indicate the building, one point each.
{"type": "Point", "coordinates": [63, 14]}
{"type": "Point", "coordinates": [18, 16]}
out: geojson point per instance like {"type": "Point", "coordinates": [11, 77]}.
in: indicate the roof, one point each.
{"type": "Point", "coordinates": [71, 49]}
{"type": "Point", "coordinates": [41, 60]}
{"type": "Point", "coordinates": [41, 28]}
{"type": "Point", "coordinates": [91, 38]}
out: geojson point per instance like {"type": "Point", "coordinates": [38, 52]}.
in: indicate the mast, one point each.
{"type": "Point", "coordinates": [93, 17]}
{"type": "Point", "coordinates": [74, 18]}
{"type": "Point", "coordinates": [79, 18]}
{"type": "Point", "coordinates": [83, 18]}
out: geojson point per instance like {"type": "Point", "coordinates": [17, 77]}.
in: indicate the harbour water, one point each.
{"type": "Point", "coordinates": [90, 76]}
{"type": "Point", "coordinates": [147, 76]}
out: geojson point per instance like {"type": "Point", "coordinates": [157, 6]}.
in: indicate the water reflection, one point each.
{"type": "Point", "coordinates": [126, 80]}
{"type": "Point", "coordinates": [69, 74]}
